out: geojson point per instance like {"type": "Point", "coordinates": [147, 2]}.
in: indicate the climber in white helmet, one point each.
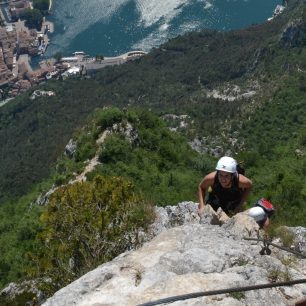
{"type": "Point", "coordinates": [224, 188]}
{"type": "Point", "coordinates": [261, 212]}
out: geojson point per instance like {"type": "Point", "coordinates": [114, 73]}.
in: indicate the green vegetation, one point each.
{"type": "Point", "coordinates": [237, 295]}
{"type": "Point", "coordinates": [171, 79]}
{"type": "Point", "coordinates": [285, 235]}
{"type": "Point", "coordinates": [87, 224]}
{"type": "Point", "coordinates": [22, 298]}
{"type": "Point", "coordinates": [142, 152]}
{"type": "Point", "coordinates": [274, 136]}
{"type": "Point", "coordinates": [19, 226]}
{"type": "Point", "coordinates": [242, 261]}
{"type": "Point", "coordinates": [41, 5]}
{"type": "Point", "coordinates": [276, 275]}
{"type": "Point", "coordinates": [140, 148]}
{"type": "Point", "coordinates": [58, 56]}
{"type": "Point", "coordinates": [159, 164]}
{"type": "Point", "coordinates": [33, 18]}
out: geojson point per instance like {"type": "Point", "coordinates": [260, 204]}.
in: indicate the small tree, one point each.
{"type": "Point", "coordinates": [58, 56]}
{"type": "Point", "coordinates": [41, 5]}
{"type": "Point", "coordinates": [99, 57]}
{"type": "Point", "coordinates": [33, 18]}
{"type": "Point", "coordinates": [87, 224]}
{"type": "Point", "coordinates": [115, 148]}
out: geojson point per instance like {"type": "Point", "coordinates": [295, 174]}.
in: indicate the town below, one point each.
{"type": "Point", "coordinates": [19, 44]}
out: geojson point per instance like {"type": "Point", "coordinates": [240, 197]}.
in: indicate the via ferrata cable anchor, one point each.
{"type": "Point", "coordinates": [265, 250]}
{"type": "Point", "coordinates": [268, 241]}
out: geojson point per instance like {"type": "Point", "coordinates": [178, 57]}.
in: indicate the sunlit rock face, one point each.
{"type": "Point", "coordinates": [195, 256]}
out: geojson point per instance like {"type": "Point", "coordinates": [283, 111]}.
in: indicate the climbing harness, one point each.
{"type": "Point", "coordinates": [267, 242]}
{"type": "Point", "coordinates": [222, 291]}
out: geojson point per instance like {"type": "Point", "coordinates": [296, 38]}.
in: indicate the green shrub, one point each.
{"type": "Point", "coordinates": [285, 235]}
{"type": "Point", "coordinates": [41, 5]}
{"type": "Point", "coordinates": [115, 148]}
{"type": "Point", "coordinates": [87, 224]}
{"type": "Point", "coordinates": [237, 295]}
{"type": "Point", "coordinates": [107, 117]}
{"type": "Point", "coordinates": [86, 147]}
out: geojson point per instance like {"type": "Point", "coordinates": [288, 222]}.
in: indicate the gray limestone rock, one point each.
{"type": "Point", "coordinates": [169, 216]}
{"type": "Point", "coordinates": [184, 259]}
{"type": "Point", "coordinates": [292, 33]}
{"type": "Point", "coordinates": [299, 234]}
{"type": "Point", "coordinates": [242, 225]}
{"type": "Point", "coordinates": [70, 148]}
{"type": "Point", "coordinates": [22, 291]}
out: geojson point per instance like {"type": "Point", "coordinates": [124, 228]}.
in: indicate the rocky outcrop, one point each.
{"type": "Point", "coordinates": [299, 238]}
{"type": "Point", "coordinates": [192, 256]}
{"type": "Point", "coordinates": [294, 34]}
{"type": "Point", "coordinates": [25, 293]}
{"type": "Point", "coordinates": [43, 198]}
{"type": "Point", "coordinates": [70, 148]}
{"type": "Point", "coordinates": [205, 145]}
{"type": "Point", "coordinates": [299, 153]}
{"type": "Point", "coordinates": [126, 129]}
{"type": "Point", "coordinates": [177, 122]}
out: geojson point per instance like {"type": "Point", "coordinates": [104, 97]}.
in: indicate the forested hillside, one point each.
{"type": "Point", "coordinates": [141, 164]}
{"type": "Point", "coordinates": [241, 92]}
{"type": "Point", "coordinates": [173, 78]}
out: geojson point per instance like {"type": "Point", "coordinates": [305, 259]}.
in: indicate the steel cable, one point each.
{"type": "Point", "coordinates": [268, 242]}
{"type": "Point", "coordinates": [222, 291]}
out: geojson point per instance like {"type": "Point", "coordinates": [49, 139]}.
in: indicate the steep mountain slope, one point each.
{"type": "Point", "coordinates": [191, 258]}
{"type": "Point", "coordinates": [177, 77]}
{"type": "Point", "coordinates": [128, 153]}
{"type": "Point", "coordinates": [238, 92]}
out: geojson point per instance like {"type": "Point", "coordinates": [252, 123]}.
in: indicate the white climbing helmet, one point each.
{"type": "Point", "coordinates": [227, 164]}
{"type": "Point", "coordinates": [257, 213]}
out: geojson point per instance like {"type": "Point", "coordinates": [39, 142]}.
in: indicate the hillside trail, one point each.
{"type": "Point", "coordinates": [93, 162]}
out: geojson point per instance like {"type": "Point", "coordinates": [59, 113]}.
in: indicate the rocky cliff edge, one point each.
{"type": "Point", "coordinates": [188, 255]}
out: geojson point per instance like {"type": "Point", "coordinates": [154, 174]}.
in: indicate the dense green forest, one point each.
{"type": "Point", "coordinates": [173, 78]}
{"type": "Point", "coordinates": [142, 164]}
{"type": "Point", "coordinates": [153, 164]}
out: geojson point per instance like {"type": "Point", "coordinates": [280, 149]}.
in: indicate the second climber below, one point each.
{"type": "Point", "coordinates": [224, 188]}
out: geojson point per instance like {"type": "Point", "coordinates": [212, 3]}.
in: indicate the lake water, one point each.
{"type": "Point", "coordinates": [112, 27]}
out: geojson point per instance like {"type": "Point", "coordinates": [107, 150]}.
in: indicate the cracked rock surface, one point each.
{"type": "Point", "coordinates": [193, 257]}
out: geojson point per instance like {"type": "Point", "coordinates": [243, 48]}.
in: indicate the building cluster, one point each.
{"type": "Point", "coordinates": [13, 45]}
{"type": "Point", "coordinates": [27, 80]}
{"type": "Point", "coordinates": [17, 45]}
{"type": "Point", "coordinates": [42, 93]}
{"type": "Point", "coordinates": [8, 48]}
{"type": "Point", "coordinates": [18, 7]}
{"type": "Point", "coordinates": [28, 42]}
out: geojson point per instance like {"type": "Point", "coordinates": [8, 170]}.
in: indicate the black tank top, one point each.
{"type": "Point", "coordinates": [226, 198]}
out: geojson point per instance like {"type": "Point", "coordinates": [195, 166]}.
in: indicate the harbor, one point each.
{"type": "Point", "coordinates": [19, 45]}
{"type": "Point", "coordinates": [22, 64]}
{"type": "Point", "coordinates": [82, 64]}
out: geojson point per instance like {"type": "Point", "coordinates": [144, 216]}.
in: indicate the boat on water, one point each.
{"type": "Point", "coordinates": [79, 53]}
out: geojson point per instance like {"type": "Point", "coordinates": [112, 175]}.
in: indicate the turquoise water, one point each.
{"type": "Point", "coordinates": [112, 27]}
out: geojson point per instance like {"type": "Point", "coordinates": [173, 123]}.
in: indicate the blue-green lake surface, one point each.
{"type": "Point", "coordinates": [112, 27]}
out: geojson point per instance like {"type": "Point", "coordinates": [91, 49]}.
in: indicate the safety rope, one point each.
{"type": "Point", "coordinates": [268, 242]}
{"type": "Point", "coordinates": [222, 291]}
